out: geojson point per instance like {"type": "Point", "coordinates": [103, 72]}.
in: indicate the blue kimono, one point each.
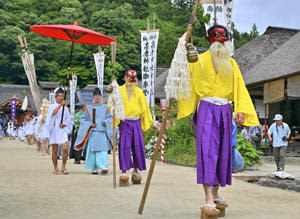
{"type": "Point", "coordinates": [98, 139]}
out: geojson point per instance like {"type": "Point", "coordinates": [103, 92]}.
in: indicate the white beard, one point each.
{"type": "Point", "coordinates": [220, 53]}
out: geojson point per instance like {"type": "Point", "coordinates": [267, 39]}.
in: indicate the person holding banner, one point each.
{"type": "Point", "coordinates": [59, 127]}
{"type": "Point", "coordinates": [95, 133]}
{"type": "Point", "coordinates": [138, 120]}
{"type": "Point", "coordinates": [216, 81]}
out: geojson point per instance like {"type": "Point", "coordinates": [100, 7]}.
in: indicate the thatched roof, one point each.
{"type": "Point", "coordinates": [255, 51]}
{"type": "Point", "coordinates": [48, 84]}
{"type": "Point", "coordinates": [7, 91]}
{"type": "Point", "coordinates": [85, 95]}
{"type": "Point", "coordinates": [282, 62]}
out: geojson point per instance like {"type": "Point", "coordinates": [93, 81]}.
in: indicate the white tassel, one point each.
{"type": "Point", "coordinates": [178, 81]}
{"type": "Point", "coordinates": [116, 102]}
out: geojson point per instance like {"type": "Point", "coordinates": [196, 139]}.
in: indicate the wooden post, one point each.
{"type": "Point", "coordinates": [113, 59]}
{"type": "Point", "coordinates": [114, 152]}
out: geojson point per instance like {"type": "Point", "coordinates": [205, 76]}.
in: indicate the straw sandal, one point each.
{"type": "Point", "coordinates": [136, 177]}
{"type": "Point", "coordinates": [65, 172]}
{"type": "Point", "coordinates": [221, 206]}
{"type": "Point", "coordinates": [104, 171]}
{"type": "Point", "coordinates": [209, 213]}
{"type": "Point", "coordinates": [124, 180]}
{"type": "Point", "coordinates": [55, 172]}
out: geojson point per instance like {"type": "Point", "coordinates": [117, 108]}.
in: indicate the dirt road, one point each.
{"type": "Point", "coordinates": [28, 189]}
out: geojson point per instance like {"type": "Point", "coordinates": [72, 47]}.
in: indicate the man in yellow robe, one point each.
{"type": "Point", "coordinates": [216, 81]}
{"type": "Point", "coordinates": [138, 120]}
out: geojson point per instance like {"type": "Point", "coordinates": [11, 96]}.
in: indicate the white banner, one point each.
{"type": "Point", "coordinates": [149, 40]}
{"type": "Point", "coordinates": [99, 62]}
{"type": "Point", "coordinates": [28, 63]}
{"type": "Point", "coordinates": [52, 97]}
{"type": "Point", "coordinates": [73, 85]}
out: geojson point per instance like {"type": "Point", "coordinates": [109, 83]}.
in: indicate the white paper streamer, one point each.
{"type": "Point", "coordinates": [99, 62]}
{"type": "Point", "coordinates": [116, 102]}
{"type": "Point", "coordinates": [178, 81]}
{"type": "Point", "coordinates": [149, 41]}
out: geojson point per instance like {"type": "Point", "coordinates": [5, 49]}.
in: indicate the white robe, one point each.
{"type": "Point", "coordinates": [58, 135]}
{"type": "Point", "coordinates": [29, 128]}
{"type": "Point", "coordinates": [36, 128]}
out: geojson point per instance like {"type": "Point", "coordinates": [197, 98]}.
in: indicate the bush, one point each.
{"type": "Point", "coordinates": [181, 144]}
{"type": "Point", "coordinates": [249, 153]}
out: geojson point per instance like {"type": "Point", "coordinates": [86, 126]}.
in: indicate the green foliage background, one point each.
{"type": "Point", "coordinates": [120, 19]}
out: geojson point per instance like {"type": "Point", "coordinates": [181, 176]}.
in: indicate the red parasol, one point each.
{"type": "Point", "coordinates": [73, 33]}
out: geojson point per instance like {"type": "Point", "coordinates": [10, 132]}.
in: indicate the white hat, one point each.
{"type": "Point", "coordinates": [278, 117]}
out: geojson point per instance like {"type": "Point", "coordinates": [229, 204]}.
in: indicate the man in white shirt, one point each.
{"type": "Point", "coordinates": [281, 133]}
{"type": "Point", "coordinates": [59, 129]}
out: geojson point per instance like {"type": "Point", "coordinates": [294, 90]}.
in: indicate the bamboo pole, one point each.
{"type": "Point", "coordinates": [163, 126]}
{"type": "Point", "coordinates": [114, 152]}
{"type": "Point", "coordinates": [161, 133]}
{"type": "Point", "coordinates": [113, 59]}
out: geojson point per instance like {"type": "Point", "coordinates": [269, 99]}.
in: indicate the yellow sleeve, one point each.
{"type": "Point", "coordinates": [117, 121]}
{"type": "Point", "coordinates": [242, 101]}
{"type": "Point", "coordinates": [146, 117]}
{"type": "Point", "coordinates": [188, 106]}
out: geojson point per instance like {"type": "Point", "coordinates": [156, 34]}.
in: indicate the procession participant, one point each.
{"type": "Point", "coordinates": [95, 132]}
{"type": "Point", "coordinates": [29, 131]}
{"type": "Point", "coordinates": [37, 135]}
{"type": "Point", "coordinates": [10, 130]}
{"type": "Point", "coordinates": [216, 80]}
{"type": "Point", "coordinates": [58, 132]}
{"type": "Point", "coordinates": [80, 154]}
{"type": "Point", "coordinates": [44, 132]}
{"type": "Point", "coordinates": [21, 133]}
{"type": "Point", "coordinates": [138, 120]}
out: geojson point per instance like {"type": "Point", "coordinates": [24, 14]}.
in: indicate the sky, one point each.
{"type": "Point", "coordinates": [264, 13]}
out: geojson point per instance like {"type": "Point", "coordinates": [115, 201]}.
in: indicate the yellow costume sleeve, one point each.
{"type": "Point", "coordinates": [146, 117]}
{"type": "Point", "coordinates": [242, 101]}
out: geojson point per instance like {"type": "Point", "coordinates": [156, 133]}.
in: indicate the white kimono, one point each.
{"type": "Point", "coordinates": [58, 135]}
{"type": "Point", "coordinates": [36, 128]}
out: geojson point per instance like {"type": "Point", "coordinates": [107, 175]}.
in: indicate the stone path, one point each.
{"type": "Point", "coordinates": [29, 190]}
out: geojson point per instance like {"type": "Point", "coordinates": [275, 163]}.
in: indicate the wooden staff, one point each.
{"type": "Point", "coordinates": [114, 152]}
{"type": "Point", "coordinates": [63, 109]}
{"type": "Point", "coordinates": [94, 115]}
{"type": "Point", "coordinates": [163, 126]}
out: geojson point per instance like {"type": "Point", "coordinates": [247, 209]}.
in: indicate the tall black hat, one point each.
{"type": "Point", "coordinates": [59, 91]}
{"type": "Point", "coordinates": [97, 91]}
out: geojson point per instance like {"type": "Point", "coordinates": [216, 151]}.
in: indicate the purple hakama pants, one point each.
{"type": "Point", "coordinates": [214, 143]}
{"type": "Point", "coordinates": [131, 140]}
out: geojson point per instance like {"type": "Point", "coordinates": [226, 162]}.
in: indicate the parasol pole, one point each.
{"type": "Point", "coordinates": [66, 89]}
{"type": "Point", "coordinates": [163, 126]}
{"type": "Point", "coordinates": [113, 59]}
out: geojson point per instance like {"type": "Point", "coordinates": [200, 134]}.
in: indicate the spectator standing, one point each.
{"type": "Point", "coordinates": [281, 133]}
{"type": "Point", "coordinates": [256, 133]}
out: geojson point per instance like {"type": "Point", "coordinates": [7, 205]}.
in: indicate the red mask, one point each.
{"type": "Point", "coordinates": [131, 75]}
{"type": "Point", "coordinates": [218, 34]}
